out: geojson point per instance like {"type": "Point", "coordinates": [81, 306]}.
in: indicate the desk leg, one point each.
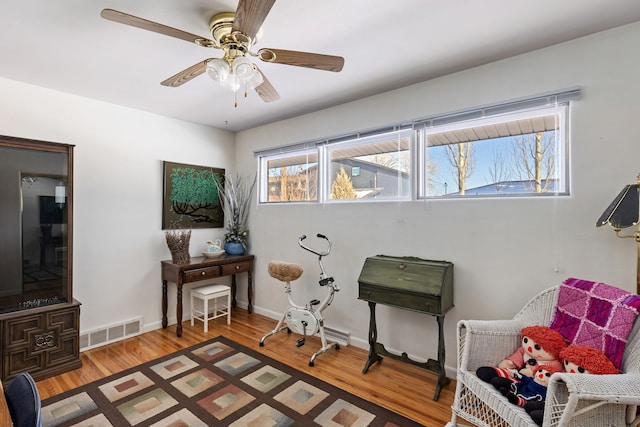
{"type": "Point", "coordinates": [373, 337]}
{"type": "Point", "coordinates": [179, 311]}
{"type": "Point", "coordinates": [250, 290]}
{"type": "Point", "coordinates": [233, 290]}
{"type": "Point", "coordinates": [442, 375]}
{"type": "Point", "coordinates": [165, 305]}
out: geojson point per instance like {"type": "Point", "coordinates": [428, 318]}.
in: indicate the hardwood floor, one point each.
{"type": "Point", "coordinates": [401, 387]}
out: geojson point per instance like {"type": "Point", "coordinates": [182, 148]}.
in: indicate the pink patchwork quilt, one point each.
{"type": "Point", "coordinates": [596, 315]}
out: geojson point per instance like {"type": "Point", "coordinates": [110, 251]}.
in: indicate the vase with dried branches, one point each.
{"type": "Point", "coordinates": [235, 195]}
{"type": "Point", "coordinates": [178, 243]}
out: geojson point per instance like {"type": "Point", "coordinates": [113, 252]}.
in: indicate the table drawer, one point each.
{"type": "Point", "coordinates": [423, 303]}
{"type": "Point", "coordinates": [239, 267]}
{"type": "Point", "coordinates": [201, 274]}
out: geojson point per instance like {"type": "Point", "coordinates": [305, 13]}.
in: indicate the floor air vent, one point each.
{"type": "Point", "coordinates": [109, 334]}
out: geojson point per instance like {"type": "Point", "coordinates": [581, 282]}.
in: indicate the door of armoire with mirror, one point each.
{"type": "Point", "coordinates": [39, 318]}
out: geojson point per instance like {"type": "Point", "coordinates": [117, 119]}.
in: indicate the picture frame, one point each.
{"type": "Point", "coordinates": [190, 196]}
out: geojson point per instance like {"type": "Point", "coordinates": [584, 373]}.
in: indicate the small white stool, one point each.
{"type": "Point", "coordinates": [211, 292]}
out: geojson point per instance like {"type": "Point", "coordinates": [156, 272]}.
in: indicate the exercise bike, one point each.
{"type": "Point", "coordinates": [305, 320]}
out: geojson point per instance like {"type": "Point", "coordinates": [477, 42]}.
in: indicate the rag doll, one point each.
{"type": "Point", "coordinates": [540, 346]}
{"type": "Point", "coordinates": [528, 389]}
{"type": "Point", "coordinates": [577, 359]}
{"type": "Point", "coordinates": [586, 360]}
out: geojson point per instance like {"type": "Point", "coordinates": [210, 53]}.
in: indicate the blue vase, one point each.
{"type": "Point", "coordinates": [234, 248]}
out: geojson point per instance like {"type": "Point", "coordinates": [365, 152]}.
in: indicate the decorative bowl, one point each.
{"type": "Point", "coordinates": [215, 254]}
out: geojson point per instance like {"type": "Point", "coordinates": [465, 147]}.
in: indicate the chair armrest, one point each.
{"type": "Point", "coordinates": [621, 388]}
{"type": "Point", "coordinates": [573, 395]}
{"type": "Point", "coordinates": [486, 342]}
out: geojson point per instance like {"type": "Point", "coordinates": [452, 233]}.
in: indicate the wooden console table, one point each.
{"type": "Point", "coordinates": [201, 268]}
{"type": "Point", "coordinates": [413, 284]}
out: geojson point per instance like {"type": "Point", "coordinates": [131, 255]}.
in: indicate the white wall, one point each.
{"type": "Point", "coordinates": [118, 237]}
{"type": "Point", "coordinates": [504, 251]}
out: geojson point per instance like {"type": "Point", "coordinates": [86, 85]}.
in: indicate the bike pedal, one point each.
{"type": "Point", "coordinates": [325, 282]}
{"type": "Point", "coordinates": [300, 342]}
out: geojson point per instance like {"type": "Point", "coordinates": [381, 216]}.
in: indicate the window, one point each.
{"type": "Point", "coordinates": [290, 177]}
{"type": "Point", "coordinates": [358, 167]}
{"type": "Point", "coordinates": [515, 148]}
{"type": "Point", "coordinates": [520, 153]}
{"type": "Point", "coordinates": [375, 166]}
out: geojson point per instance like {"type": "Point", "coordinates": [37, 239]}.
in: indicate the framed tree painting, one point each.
{"type": "Point", "coordinates": [191, 197]}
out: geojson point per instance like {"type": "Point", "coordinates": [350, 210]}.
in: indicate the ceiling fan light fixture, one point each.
{"type": "Point", "coordinates": [254, 80]}
{"type": "Point", "coordinates": [218, 70]}
{"type": "Point", "coordinates": [243, 68]}
{"type": "Point", "coordinates": [232, 83]}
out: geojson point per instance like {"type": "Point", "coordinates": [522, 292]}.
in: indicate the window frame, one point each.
{"type": "Point", "coordinates": [371, 138]}
{"type": "Point", "coordinates": [561, 109]}
{"type": "Point", "coordinates": [263, 187]}
{"type": "Point", "coordinates": [502, 111]}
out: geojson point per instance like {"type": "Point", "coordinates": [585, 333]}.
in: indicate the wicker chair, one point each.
{"type": "Point", "coordinates": [572, 399]}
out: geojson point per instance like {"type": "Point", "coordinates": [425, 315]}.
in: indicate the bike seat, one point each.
{"type": "Point", "coordinates": [284, 271]}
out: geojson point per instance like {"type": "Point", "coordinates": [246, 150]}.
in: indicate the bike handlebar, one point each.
{"type": "Point", "coordinates": [320, 236]}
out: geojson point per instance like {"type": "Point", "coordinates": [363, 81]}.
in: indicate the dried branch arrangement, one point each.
{"type": "Point", "coordinates": [178, 243]}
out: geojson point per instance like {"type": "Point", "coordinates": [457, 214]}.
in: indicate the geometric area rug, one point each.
{"type": "Point", "coordinates": [215, 383]}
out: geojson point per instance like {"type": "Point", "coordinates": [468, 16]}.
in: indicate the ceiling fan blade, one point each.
{"type": "Point", "coordinates": [134, 21]}
{"type": "Point", "coordinates": [266, 90]}
{"type": "Point", "coordinates": [250, 14]}
{"type": "Point", "coordinates": [186, 75]}
{"type": "Point", "coordinates": [302, 59]}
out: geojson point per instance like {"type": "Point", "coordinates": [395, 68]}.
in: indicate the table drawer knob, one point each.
{"type": "Point", "coordinates": [204, 273]}
{"type": "Point", "coordinates": [401, 266]}
{"type": "Point", "coordinates": [237, 267]}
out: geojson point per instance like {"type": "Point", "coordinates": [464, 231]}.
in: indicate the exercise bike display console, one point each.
{"type": "Point", "coordinates": [307, 319]}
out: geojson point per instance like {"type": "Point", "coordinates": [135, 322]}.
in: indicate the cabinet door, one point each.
{"type": "Point", "coordinates": [36, 189]}
{"type": "Point", "coordinates": [65, 323]}
{"type": "Point", "coordinates": [42, 344]}
{"type": "Point", "coordinates": [19, 354]}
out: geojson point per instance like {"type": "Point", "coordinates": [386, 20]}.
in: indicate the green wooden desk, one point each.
{"type": "Point", "coordinates": [412, 284]}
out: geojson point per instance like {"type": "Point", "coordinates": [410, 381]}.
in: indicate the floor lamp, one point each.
{"type": "Point", "coordinates": [624, 212]}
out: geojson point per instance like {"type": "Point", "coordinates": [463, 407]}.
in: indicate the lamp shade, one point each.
{"type": "Point", "coordinates": [624, 210]}
{"type": "Point", "coordinates": [218, 69]}
{"type": "Point", "coordinates": [254, 80]}
{"type": "Point", "coordinates": [231, 83]}
{"type": "Point", "coordinates": [243, 68]}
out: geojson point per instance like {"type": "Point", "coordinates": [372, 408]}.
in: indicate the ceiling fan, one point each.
{"type": "Point", "coordinates": [235, 34]}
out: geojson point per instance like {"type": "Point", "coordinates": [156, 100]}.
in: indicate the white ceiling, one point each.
{"type": "Point", "coordinates": [65, 45]}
